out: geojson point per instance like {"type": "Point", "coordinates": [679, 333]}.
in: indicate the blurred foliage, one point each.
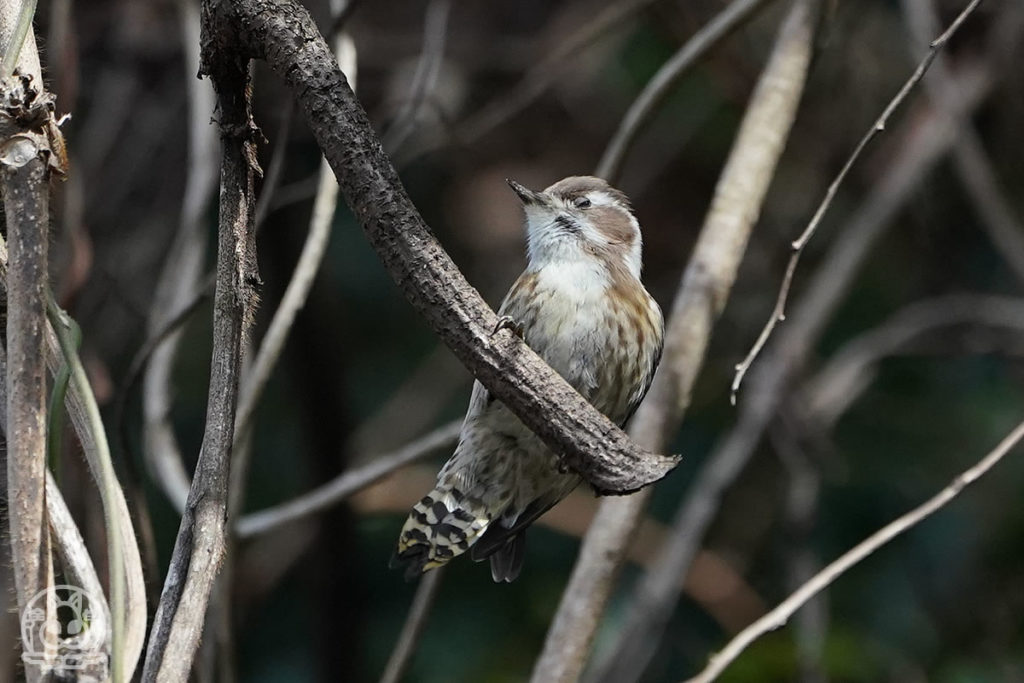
{"type": "Point", "coordinates": [943, 603]}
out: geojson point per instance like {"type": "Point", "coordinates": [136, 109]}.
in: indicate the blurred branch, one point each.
{"type": "Point", "coordinates": [654, 93]}
{"type": "Point", "coordinates": [412, 407]}
{"type": "Point", "coordinates": [703, 292]}
{"type": "Point", "coordinates": [435, 30]}
{"type": "Point", "coordinates": [779, 313]}
{"type": "Point", "coordinates": [199, 547]}
{"type": "Point", "coordinates": [400, 657]}
{"type": "Point", "coordinates": [346, 484]}
{"type": "Point", "coordinates": [928, 140]}
{"type": "Point", "coordinates": [602, 453]}
{"type": "Point", "coordinates": [970, 159]}
{"type": "Point", "coordinates": [851, 369]}
{"type": "Point", "coordinates": [179, 281]}
{"type": "Point", "coordinates": [778, 616]}
{"type": "Point", "coordinates": [535, 82]}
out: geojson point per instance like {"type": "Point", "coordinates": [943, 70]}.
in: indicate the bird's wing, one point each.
{"type": "Point", "coordinates": [652, 366]}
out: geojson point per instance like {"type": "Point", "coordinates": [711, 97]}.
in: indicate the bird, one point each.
{"type": "Point", "coordinates": [580, 305]}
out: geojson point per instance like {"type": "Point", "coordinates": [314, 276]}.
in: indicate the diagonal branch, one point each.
{"type": "Point", "coordinates": [778, 616]}
{"type": "Point", "coordinates": [283, 33]}
{"type": "Point", "coordinates": [702, 295]}
{"type": "Point", "coordinates": [779, 312]}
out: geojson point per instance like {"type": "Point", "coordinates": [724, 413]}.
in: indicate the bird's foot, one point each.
{"type": "Point", "coordinates": [507, 322]}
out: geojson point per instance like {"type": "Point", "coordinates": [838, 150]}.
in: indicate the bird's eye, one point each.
{"type": "Point", "coordinates": [581, 203]}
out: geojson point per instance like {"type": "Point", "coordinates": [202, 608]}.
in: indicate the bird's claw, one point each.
{"type": "Point", "coordinates": [507, 322]}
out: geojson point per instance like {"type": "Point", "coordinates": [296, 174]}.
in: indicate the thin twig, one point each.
{"type": "Point", "coordinates": [778, 616]}
{"type": "Point", "coordinates": [346, 484]}
{"type": "Point", "coordinates": [929, 140]}
{"type": "Point", "coordinates": [413, 627]}
{"type": "Point", "coordinates": [731, 217]}
{"type": "Point", "coordinates": [779, 312]}
{"type": "Point", "coordinates": [653, 94]}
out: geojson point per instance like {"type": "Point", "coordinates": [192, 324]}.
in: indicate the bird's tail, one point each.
{"type": "Point", "coordinates": [442, 525]}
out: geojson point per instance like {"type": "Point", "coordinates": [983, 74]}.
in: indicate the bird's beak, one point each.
{"type": "Point", "coordinates": [526, 196]}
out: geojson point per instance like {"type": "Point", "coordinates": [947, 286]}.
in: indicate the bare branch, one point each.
{"type": "Point", "coordinates": [653, 94]}
{"type": "Point", "coordinates": [24, 176]}
{"type": "Point", "coordinates": [778, 616]}
{"type": "Point", "coordinates": [200, 544]}
{"type": "Point", "coordinates": [709, 276]}
{"type": "Point", "coordinates": [535, 82]}
{"type": "Point", "coordinates": [346, 484]}
{"type": "Point", "coordinates": [413, 626]}
{"type": "Point", "coordinates": [779, 313]}
{"type": "Point", "coordinates": [284, 34]}
{"type": "Point", "coordinates": [928, 141]}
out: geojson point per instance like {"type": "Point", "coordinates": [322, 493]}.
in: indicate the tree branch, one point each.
{"type": "Point", "coordinates": [654, 93]}
{"type": "Point", "coordinates": [24, 178]}
{"type": "Point", "coordinates": [928, 141]}
{"type": "Point", "coordinates": [200, 544]}
{"type": "Point", "coordinates": [346, 484]}
{"type": "Point", "coordinates": [778, 616]}
{"type": "Point", "coordinates": [703, 292]}
{"type": "Point", "coordinates": [779, 312]}
{"type": "Point", "coordinates": [283, 33]}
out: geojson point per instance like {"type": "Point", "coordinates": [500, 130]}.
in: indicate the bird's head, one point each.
{"type": "Point", "coordinates": [578, 218]}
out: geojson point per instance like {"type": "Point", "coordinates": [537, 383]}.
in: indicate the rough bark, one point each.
{"type": "Point", "coordinates": [283, 34]}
